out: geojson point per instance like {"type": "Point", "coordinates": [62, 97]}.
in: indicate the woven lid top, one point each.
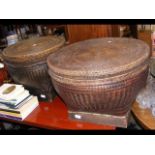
{"type": "Point", "coordinates": [29, 49]}
{"type": "Point", "coordinates": [98, 57]}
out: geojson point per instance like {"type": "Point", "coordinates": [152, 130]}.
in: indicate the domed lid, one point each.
{"type": "Point", "coordinates": [98, 57]}
{"type": "Point", "coordinates": [32, 49]}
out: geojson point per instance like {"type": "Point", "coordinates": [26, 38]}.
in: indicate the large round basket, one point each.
{"type": "Point", "coordinates": [99, 79]}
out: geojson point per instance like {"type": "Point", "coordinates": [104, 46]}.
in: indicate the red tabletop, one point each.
{"type": "Point", "coordinates": [54, 116]}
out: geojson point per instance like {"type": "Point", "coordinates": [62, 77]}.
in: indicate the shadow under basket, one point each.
{"type": "Point", "coordinates": [42, 95]}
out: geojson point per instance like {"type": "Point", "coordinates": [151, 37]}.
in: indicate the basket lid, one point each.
{"type": "Point", "coordinates": [29, 49]}
{"type": "Point", "coordinates": [98, 57]}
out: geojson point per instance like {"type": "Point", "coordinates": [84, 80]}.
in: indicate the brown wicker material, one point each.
{"type": "Point", "coordinates": [100, 77]}
{"type": "Point", "coordinates": [26, 62]}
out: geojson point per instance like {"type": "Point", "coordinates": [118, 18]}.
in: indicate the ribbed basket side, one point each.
{"type": "Point", "coordinates": [115, 98]}
{"type": "Point", "coordinates": [33, 76]}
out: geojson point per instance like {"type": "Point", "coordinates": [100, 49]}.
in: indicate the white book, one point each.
{"type": "Point", "coordinates": [10, 91]}
{"type": "Point", "coordinates": [34, 103]}
{"type": "Point", "coordinates": [23, 95]}
{"type": "Point", "coordinates": [24, 111]}
{"type": "Point", "coordinates": [18, 106]}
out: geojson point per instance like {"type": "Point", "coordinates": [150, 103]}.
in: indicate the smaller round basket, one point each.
{"type": "Point", "coordinates": [26, 63]}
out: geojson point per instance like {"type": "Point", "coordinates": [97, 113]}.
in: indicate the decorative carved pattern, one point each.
{"type": "Point", "coordinates": [100, 99]}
